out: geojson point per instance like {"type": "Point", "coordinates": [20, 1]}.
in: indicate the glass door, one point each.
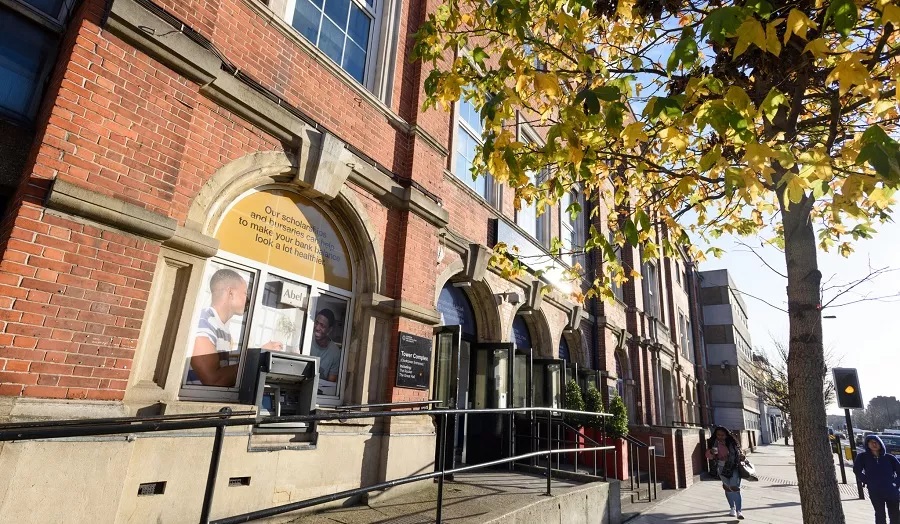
{"type": "Point", "coordinates": [491, 386]}
{"type": "Point", "coordinates": [447, 342]}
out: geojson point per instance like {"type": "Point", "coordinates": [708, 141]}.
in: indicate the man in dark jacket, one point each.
{"type": "Point", "coordinates": [881, 473]}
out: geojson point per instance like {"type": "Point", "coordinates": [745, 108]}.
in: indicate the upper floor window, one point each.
{"type": "Point", "coordinates": [469, 131]}
{"type": "Point", "coordinates": [571, 229]}
{"type": "Point", "coordinates": [617, 289]}
{"type": "Point", "coordinates": [29, 36]}
{"type": "Point", "coordinates": [345, 30]}
{"type": "Point", "coordinates": [651, 290]}
{"type": "Point", "coordinates": [684, 324]}
{"type": "Point", "coordinates": [527, 217]}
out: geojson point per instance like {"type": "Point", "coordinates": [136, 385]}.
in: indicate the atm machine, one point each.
{"type": "Point", "coordinates": [281, 385]}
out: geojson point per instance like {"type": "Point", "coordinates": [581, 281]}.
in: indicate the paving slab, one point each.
{"type": "Point", "coordinates": [775, 499]}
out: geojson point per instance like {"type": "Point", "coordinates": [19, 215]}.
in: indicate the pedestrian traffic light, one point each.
{"type": "Point", "coordinates": [846, 385]}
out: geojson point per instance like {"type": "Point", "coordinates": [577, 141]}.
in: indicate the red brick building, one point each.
{"type": "Point", "coordinates": [186, 181]}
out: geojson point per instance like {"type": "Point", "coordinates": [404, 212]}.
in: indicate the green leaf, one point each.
{"type": "Point", "coordinates": [659, 106]}
{"type": "Point", "coordinates": [881, 152]}
{"type": "Point", "coordinates": [615, 116]}
{"type": "Point", "coordinates": [630, 231]}
{"type": "Point", "coordinates": [608, 93]}
{"type": "Point", "coordinates": [685, 51]}
{"type": "Point", "coordinates": [761, 7]}
{"type": "Point", "coordinates": [722, 23]}
{"type": "Point", "coordinates": [643, 219]}
{"type": "Point", "coordinates": [591, 98]}
{"type": "Point", "coordinates": [589, 101]}
{"type": "Point", "coordinates": [479, 55]}
{"type": "Point", "coordinates": [773, 101]}
{"type": "Point", "coordinates": [844, 13]}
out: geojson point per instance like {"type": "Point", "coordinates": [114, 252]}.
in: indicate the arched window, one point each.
{"type": "Point", "coordinates": [281, 281]}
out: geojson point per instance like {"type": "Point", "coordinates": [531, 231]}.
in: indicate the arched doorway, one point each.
{"type": "Point", "coordinates": [470, 374]}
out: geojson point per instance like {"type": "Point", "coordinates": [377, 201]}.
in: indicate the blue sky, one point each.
{"type": "Point", "coordinates": [861, 336]}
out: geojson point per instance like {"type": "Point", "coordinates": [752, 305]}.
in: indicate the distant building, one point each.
{"type": "Point", "coordinates": [772, 420]}
{"type": "Point", "coordinates": [733, 388]}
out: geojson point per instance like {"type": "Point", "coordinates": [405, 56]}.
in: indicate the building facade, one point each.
{"type": "Point", "coordinates": [189, 184]}
{"type": "Point", "coordinates": [733, 386]}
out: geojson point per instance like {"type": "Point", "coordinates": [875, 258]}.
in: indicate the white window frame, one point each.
{"type": "Point", "coordinates": [376, 47]}
{"type": "Point", "coordinates": [652, 303]}
{"type": "Point", "coordinates": [542, 223]}
{"type": "Point", "coordinates": [492, 189]}
{"type": "Point", "coordinates": [262, 272]}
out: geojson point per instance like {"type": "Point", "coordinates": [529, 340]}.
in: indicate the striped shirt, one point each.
{"type": "Point", "coordinates": [211, 327]}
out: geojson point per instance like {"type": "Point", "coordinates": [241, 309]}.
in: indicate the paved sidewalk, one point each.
{"type": "Point", "coordinates": [774, 499]}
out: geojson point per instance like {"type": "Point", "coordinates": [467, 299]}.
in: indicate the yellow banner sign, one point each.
{"type": "Point", "coordinates": [286, 231]}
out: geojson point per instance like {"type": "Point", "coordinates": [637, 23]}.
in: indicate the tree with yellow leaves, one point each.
{"type": "Point", "coordinates": [696, 117]}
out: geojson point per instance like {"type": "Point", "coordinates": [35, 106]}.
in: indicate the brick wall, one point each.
{"type": "Point", "coordinates": [73, 294]}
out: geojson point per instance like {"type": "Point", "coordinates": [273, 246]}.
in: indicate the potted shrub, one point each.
{"type": "Point", "coordinates": [593, 425]}
{"type": "Point", "coordinates": [575, 402]}
{"type": "Point", "coordinates": [616, 427]}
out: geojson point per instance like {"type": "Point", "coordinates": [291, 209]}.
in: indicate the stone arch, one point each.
{"type": "Point", "coordinates": [577, 351]}
{"type": "Point", "coordinates": [542, 341]}
{"type": "Point", "coordinates": [481, 297]}
{"type": "Point", "coordinates": [278, 170]}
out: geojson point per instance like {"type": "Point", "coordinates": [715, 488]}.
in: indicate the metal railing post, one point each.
{"type": "Point", "coordinates": [549, 448]}
{"type": "Point", "coordinates": [840, 458]}
{"type": "Point", "coordinates": [213, 469]}
{"type": "Point", "coordinates": [442, 446]}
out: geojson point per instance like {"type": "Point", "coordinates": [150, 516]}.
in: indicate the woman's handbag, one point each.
{"type": "Point", "coordinates": [747, 471]}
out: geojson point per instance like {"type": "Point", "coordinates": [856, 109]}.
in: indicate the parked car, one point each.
{"type": "Point", "coordinates": [891, 443]}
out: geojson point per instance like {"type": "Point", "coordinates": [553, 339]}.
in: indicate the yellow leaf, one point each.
{"type": "Point", "coordinates": [796, 188]}
{"type": "Point", "coordinates": [772, 43]}
{"type": "Point", "coordinates": [798, 23]}
{"type": "Point", "coordinates": [738, 98]}
{"type": "Point", "coordinates": [750, 32]}
{"type": "Point", "coordinates": [522, 83]}
{"type": "Point", "coordinates": [848, 73]}
{"type": "Point", "coordinates": [633, 133]}
{"type": "Point", "coordinates": [575, 154]}
{"type": "Point", "coordinates": [818, 48]}
{"type": "Point", "coordinates": [757, 155]}
{"type": "Point", "coordinates": [546, 83]}
{"type": "Point", "coordinates": [673, 138]}
{"type": "Point", "coordinates": [891, 14]}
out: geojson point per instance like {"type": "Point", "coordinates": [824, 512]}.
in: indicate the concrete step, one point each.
{"type": "Point", "coordinates": [492, 496]}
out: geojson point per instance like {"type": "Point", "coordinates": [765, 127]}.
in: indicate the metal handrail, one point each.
{"type": "Point", "coordinates": [634, 441]}
{"type": "Point", "coordinates": [381, 405]}
{"type": "Point", "coordinates": [10, 426]}
{"type": "Point", "coordinates": [228, 418]}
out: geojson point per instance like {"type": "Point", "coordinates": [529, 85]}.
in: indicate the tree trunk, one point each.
{"type": "Point", "coordinates": [819, 496]}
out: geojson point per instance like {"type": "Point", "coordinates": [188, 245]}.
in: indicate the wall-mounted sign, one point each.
{"type": "Point", "coordinates": [659, 444]}
{"type": "Point", "coordinates": [413, 362]}
{"type": "Point", "coordinates": [287, 231]}
{"type": "Point", "coordinates": [294, 295]}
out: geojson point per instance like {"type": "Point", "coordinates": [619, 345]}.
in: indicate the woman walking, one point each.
{"type": "Point", "coordinates": [881, 473]}
{"type": "Point", "coordinates": [725, 450]}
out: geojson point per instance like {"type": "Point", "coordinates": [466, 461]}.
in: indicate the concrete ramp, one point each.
{"type": "Point", "coordinates": [496, 497]}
